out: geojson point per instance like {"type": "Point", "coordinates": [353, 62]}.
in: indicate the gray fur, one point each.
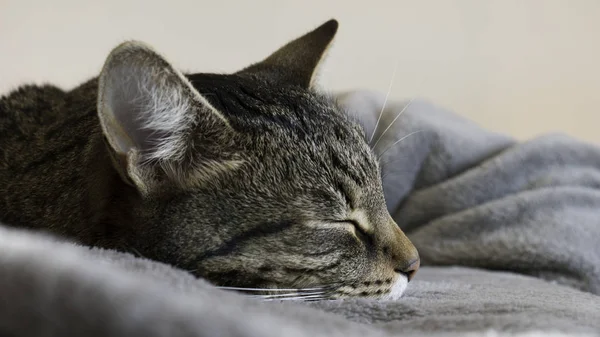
{"type": "Point", "coordinates": [250, 179]}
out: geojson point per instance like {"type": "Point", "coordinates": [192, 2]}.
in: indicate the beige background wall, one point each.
{"type": "Point", "coordinates": [517, 66]}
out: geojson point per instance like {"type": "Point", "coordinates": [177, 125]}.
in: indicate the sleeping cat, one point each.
{"type": "Point", "coordinates": [250, 180]}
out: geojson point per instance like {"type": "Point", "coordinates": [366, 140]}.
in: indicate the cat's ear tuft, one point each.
{"type": "Point", "coordinates": [148, 109]}
{"type": "Point", "coordinates": [297, 62]}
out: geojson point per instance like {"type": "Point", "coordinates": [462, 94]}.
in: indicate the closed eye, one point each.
{"type": "Point", "coordinates": [358, 229]}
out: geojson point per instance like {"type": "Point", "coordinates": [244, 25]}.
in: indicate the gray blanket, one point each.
{"type": "Point", "coordinates": [465, 197]}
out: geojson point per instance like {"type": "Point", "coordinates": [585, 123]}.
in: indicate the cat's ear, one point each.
{"type": "Point", "coordinates": [297, 62]}
{"type": "Point", "coordinates": [148, 111]}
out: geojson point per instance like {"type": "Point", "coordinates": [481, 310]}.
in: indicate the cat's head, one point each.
{"type": "Point", "coordinates": [252, 179]}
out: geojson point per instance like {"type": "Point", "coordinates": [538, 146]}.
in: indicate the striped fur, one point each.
{"type": "Point", "coordinates": [251, 179]}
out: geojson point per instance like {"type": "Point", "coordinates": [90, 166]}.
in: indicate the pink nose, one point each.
{"type": "Point", "coordinates": [411, 269]}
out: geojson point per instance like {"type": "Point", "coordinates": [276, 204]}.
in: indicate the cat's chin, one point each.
{"type": "Point", "coordinates": [397, 289]}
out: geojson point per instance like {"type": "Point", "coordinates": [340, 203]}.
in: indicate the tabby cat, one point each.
{"type": "Point", "coordinates": [251, 180]}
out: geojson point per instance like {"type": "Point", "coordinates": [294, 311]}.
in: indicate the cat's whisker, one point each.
{"type": "Point", "coordinates": [298, 298]}
{"type": "Point", "coordinates": [271, 289]}
{"type": "Point", "coordinates": [286, 294]}
{"type": "Point", "coordinates": [392, 123]}
{"type": "Point", "coordinates": [397, 142]}
{"type": "Point", "coordinates": [289, 295]}
{"type": "Point", "coordinates": [387, 96]}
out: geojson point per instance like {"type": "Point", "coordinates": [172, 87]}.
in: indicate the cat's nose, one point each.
{"type": "Point", "coordinates": [410, 269]}
{"type": "Point", "coordinates": [405, 257]}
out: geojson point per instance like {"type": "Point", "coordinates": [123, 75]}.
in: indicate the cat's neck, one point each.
{"type": "Point", "coordinates": [110, 200]}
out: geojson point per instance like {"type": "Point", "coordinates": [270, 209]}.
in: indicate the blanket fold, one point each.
{"type": "Point", "coordinates": [470, 197]}
{"type": "Point", "coordinates": [465, 196]}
